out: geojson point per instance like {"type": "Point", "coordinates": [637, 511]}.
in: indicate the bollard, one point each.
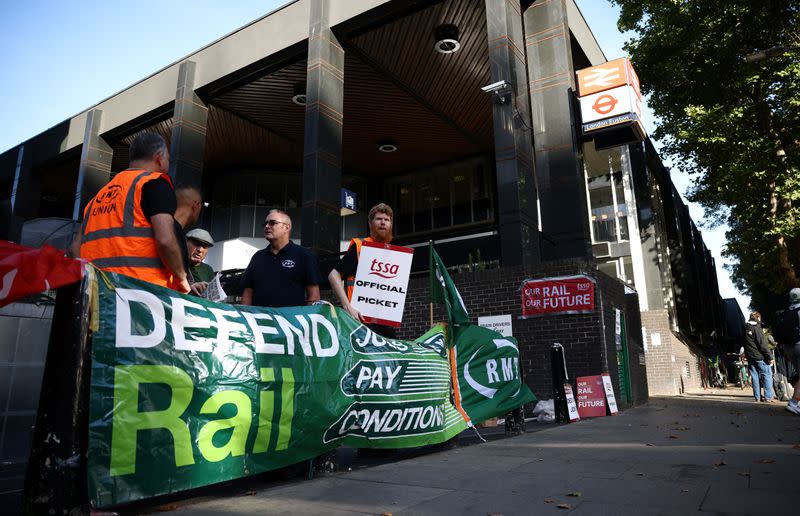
{"type": "Point", "coordinates": [558, 365]}
{"type": "Point", "coordinates": [55, 480]}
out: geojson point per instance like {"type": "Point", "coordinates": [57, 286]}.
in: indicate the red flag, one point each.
{"type": "Point", "coordinates": [25, 271]}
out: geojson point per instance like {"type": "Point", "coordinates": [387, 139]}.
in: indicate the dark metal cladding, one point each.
{"type": "Point", "coordinates": [187, 146]}
{"type": "Point", "coordinates": [322, 159]}
{"type": "Point", "coordinates": [516, 185]}
{"type": "Point", "coordinates": [559, 172]}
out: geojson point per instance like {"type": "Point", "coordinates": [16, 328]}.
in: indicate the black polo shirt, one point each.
{"type": "Point", "coordinates": [280, 280]}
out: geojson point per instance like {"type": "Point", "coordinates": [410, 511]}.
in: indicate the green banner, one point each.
{"type": "Point", "coordinates": [186, 392]}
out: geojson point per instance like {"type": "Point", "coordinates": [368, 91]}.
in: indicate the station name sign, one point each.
{"type": "Point", "coordinates": [561, 295]}
{"type": "Point", "coordinates": [610, 96]}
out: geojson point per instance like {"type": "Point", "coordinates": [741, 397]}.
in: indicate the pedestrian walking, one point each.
{"type": "Point", "coordinates": [787, 333]}
{"type": "Point", "coordinates": [759, 358]}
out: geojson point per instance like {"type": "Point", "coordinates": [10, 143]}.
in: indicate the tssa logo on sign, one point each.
{"type": "Point", "coordinates": [384, 270]}
{"type": "Point", "coordinates": [381, 280]}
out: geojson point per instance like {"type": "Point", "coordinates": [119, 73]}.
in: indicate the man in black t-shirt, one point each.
{"type": "Point", "coordinates": [189, 203]}
{"type": "Point", "coordinates": [283, 274]}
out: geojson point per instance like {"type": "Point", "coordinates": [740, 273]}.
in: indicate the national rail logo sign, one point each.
{"type": "Point", "coordinates": [606, 76]}
{"type": "Point", "coordinates": [609, 97]}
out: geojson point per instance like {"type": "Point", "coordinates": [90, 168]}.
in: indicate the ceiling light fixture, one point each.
{"type": "Point", "coordinates": [446, 39]}
{"type": "Point", "coordinates": [299, 94]}
{"type": "Point", "coordinates": [387, 146]}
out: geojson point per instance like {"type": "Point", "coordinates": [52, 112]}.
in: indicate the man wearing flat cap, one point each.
{"type": "Point", "coordinates": [197, 242]}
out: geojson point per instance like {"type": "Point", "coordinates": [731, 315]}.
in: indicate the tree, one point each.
{"type": "Point", "coordinates": [733, 125]}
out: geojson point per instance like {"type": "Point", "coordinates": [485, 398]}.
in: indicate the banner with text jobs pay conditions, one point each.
{"type": "Point", "coordinates": [381, 282]}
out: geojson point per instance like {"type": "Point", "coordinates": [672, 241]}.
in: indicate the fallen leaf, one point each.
{"type": "Point", "coordinates": [720, 463]}
{"type": "Point", "coordinates": [386, 514]}
{"type": "Point", "coordinates": [765, 461]}
{"type": "Point", "coordinates": [167, 507]}
{"type": "Point", "coordinates": [575, 493]}
{"type": "Point", "coordinates": [796, 446]}
{"type": "Point", "coordinates": [564, 506]}
{"type": "Point", "coordinates": [250, 493]}
{"type": "Point", "coordinates": [548, 500]}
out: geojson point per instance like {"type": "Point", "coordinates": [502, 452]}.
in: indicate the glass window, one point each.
{"type": "Point", "coordinates": [627, 266]}
{"type": "Point", "coordinates": [442, 197]}
{"type": "Point", "coordinates": [481, 204]}
{"type": "Point", "coordinates": [440, 200]}
{"type": "Point", "coordinates": [462, 200]}
{"type": "Point", "coordinates": [422, 205]}
{"type": "Point", "coordinates": [609, 268]}
{"type": "Point", "coordinates": [601, 200]}
{"type": "Point", "coordinates": [240, 203]}
{"type": "Point", "coordinates": [404, 208]}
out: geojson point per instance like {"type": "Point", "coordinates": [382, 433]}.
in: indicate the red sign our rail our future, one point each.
{"type": "Point", "coordinates": [562, 295]}
{"type": "Point", "coordinates": [591, 396]}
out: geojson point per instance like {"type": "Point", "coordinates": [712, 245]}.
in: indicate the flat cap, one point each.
{"type": "Point", "coordinates": [201, 235]}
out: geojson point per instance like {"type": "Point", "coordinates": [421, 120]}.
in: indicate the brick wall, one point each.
{"type": "Point", "coordinates": [588, 350]}
{"type": "Point", "coordinates": [672, 365]}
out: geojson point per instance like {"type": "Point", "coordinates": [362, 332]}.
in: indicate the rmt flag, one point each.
{"type": "Point", "coordinates": [443, 291]}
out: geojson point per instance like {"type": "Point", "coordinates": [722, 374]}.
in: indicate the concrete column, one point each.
{"type": "Point", "coordinates": [651, 237]}
{"type": "Point", "coordinates": [322, 145]}
{"type": "Point", "coordinates": [516, 187]}
{"type": "Point", "coordinates": [562, 194]}
{"type": "Point", "coordinates": [188, 141]}
{"type": "Point", "coordinates": [94, 170]}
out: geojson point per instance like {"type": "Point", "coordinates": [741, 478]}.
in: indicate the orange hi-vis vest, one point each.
{"type": "Point", "coordinates": [115, 234]}
{"type": "Point", "coordinates": [350, 281]}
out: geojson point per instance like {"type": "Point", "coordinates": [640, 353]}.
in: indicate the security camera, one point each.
{"type": "Point", "coordinates": [496, 87]}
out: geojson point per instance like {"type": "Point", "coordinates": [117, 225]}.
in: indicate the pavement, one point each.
{"type": "Point", "coordinates": [711, 452]}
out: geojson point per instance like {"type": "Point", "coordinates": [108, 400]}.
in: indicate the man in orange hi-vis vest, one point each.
{"type": "Point", "coordinates": [128, 227]}
{"type": "Point", "coordinates": [343, 275]}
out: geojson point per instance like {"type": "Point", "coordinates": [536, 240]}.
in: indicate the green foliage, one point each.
{"type": "Point", "coordinates": [733, 125]}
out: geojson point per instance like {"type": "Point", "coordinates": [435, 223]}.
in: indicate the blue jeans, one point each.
{"type": "Point", "coordinates": [761, 371]}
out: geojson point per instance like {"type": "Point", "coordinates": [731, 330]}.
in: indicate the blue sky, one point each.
{"type": "Point", "coordinates": [60, 57]}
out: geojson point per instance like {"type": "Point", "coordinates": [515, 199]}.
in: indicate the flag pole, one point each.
{"type": "Point", "coordinates": [430, 283]}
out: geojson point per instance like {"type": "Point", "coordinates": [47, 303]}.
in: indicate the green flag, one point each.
{"type": "Point", "coordinates": [443, 291]}
{"type": "Point", "coordinates": [488, 380]}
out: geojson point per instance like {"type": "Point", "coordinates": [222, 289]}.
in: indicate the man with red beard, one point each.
{"type": "Point", "coordinates": [342, 277]}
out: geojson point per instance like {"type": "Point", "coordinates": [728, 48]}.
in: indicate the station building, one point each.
{"type": "Point", "coordinates": [388, 101]}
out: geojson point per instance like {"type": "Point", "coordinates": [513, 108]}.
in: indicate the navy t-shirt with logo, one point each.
{"type": "Point", "coordinates": [280, 280]}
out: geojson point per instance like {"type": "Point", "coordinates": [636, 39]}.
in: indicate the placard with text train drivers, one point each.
{"type": "Point", "coordinates": [381, 282]}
